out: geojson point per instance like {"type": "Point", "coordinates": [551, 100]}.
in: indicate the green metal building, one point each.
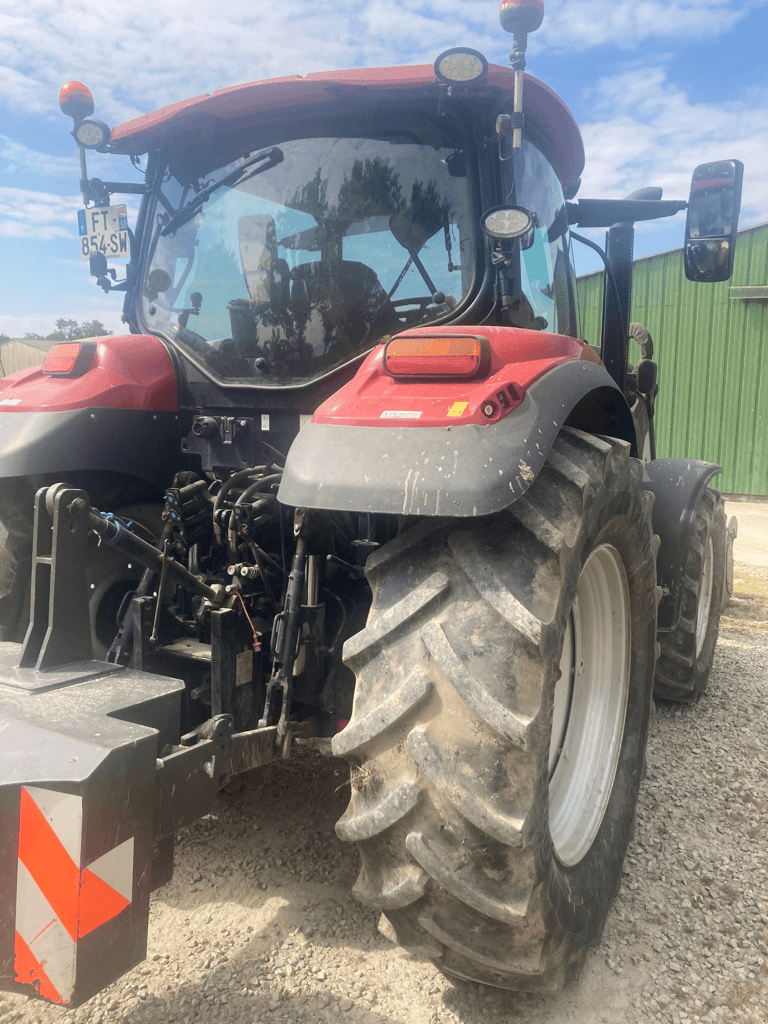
{"type": "Point", "coordinates": [711, 346]}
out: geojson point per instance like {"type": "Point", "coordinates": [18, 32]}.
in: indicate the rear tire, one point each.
{"type": "Point", "coordinates": [500, 718]}
{"type": "Point", "coordinates": [110, 576]}
{"type": "Point", "coordinates": [687, 652]}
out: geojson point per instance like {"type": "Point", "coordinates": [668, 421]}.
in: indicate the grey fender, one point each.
{"type": "Point", "coordinates": [451, 471]}
{"type": "Point", "coordinates": [678, 485]}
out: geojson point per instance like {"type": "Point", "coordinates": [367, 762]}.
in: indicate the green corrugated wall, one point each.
{"type": "Point", "coordinates": [712, 353]}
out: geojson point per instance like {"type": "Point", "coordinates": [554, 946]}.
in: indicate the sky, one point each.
{"type": "Point", "coordinates": [656, 87]}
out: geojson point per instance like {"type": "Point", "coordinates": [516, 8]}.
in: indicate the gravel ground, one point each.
{"type": "Point", "coordinates": [258, 925]}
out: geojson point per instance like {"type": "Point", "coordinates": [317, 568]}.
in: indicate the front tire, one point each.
{"type": "Point", "coordinates": [500, 718]}
{"type": "Point", "coordinates": [688, 651]}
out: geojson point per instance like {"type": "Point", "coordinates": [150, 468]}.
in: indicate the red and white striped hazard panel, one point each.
{"type": "Point", "coordinates": [59, 900]}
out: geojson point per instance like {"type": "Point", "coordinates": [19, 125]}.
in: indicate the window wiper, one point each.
{"type": "Point", "coordinates": [265, 160]}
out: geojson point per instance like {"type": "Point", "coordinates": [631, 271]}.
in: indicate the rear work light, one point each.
{"type": "Point", "coordinates": [70, 359]}
{"type": "Point", "coordinates": [462, 355]}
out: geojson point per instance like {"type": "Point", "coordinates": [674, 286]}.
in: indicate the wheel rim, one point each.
{"type": "Point", "coordinates": [590, 703]}
{"type": "Point", "coordinates": [705, 595]}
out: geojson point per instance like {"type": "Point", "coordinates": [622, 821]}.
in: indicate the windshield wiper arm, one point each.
{"type": "Point", "coordinates": [266, 159]}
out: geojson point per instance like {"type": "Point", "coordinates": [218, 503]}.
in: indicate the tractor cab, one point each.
{"type": "Point", "coordinates": [291, 226]}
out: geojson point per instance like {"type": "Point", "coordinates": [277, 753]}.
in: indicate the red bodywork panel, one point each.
{"type": "Point", "coordinates": [128, 372]}
{"type": "Point", "coordinates": [184, 121]}
{"type": "Point", "coordinates": [373, 398]}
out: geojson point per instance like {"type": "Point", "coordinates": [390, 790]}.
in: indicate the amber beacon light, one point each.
{"type": "Point", "coordinates": [521, 16]}
{"type": "Point", "coordinates": [75, 100]}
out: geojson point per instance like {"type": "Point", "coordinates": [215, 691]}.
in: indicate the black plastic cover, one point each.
{"type": "Point", "coordinates": [134, 441]}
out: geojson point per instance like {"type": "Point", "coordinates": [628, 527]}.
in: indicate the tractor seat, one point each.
{"type": "Point", "coordinates": [353, 308]}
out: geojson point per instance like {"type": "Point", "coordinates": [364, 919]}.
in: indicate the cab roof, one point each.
{"type": "Point", "coordinates": [544, 109]}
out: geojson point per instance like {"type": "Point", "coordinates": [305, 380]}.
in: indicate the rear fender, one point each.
{"type": "Point", "coordinates": [118, 414]}
{"type": "Point", "coordinates": [678, 486]}
{"type": "Point", "coordinates": [463, 470]}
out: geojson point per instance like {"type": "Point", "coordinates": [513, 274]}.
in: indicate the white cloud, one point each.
{"type": "Point", "coordinates": [39, 215]}
{"type": "Point", "coordinates": [139, 56]}
{"type": "Point", "coordinates": [653, 134]}
{"type": "Point", "coordinates": [17, 157]}
{"type": "Point", "coordinates": [581, 24]}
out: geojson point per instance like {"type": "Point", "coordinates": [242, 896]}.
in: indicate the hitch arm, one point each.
{"type": "Point", "coordinates": [112, 532]}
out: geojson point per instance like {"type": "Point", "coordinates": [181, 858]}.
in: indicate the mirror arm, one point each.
{"type": "Point", "coordinates": [604, 213]}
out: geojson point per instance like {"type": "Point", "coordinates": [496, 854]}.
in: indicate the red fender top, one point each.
{"type": "Point", "coordinates": [374, 398]}
{"type": "Point", "coordinates": [131, 371]}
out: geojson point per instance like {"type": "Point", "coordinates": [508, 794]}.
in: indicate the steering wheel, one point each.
{"type": "Point", "coordinates": [420, 304]}
{"type": "Point", "coordinates": [422, 301]}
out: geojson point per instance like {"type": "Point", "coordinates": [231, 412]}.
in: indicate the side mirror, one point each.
{"type": "Point", "coordinates": [713, 219]}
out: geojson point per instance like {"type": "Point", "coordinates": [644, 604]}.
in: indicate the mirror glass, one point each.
{"type": "Point", "coordinates": [712, 221]}
{"type": "Point", "coordinates": [709, 259]}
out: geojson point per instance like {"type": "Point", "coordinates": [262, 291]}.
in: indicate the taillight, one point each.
{"type": "Point", "coordinates": [437, 356]}
{"type": "Point", "coordinates": [62, 358]}
{"type": "Point", "coordinates": [69, 359]}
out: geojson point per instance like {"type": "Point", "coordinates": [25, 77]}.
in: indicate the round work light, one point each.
{"type": "Point", "coordinates": [509, 224]}
{"type": "Point", "coordinates": [91, 134]}
{"type": "Point", "coordinates": [460, 66]}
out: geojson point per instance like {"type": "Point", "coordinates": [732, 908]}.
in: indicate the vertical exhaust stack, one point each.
{"type": "Point", "coordinates": [519, 17]}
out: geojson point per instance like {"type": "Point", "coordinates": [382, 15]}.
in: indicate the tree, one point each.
{"type": "Point", "coordinates": [93, 329]}
{"type": "Point", "coordinates": [70, 330]}
{"type": "Point", "coordinates": [66, 330]}
{"type": "Point", "coordinates": [372, 190]}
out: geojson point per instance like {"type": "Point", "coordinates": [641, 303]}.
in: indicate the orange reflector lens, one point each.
{"type": "Point", "coordinates": [75, 100]}
{"type": "Point", "coordinates": [453, 356]}
{"type": "Point", "coordinates": [62, 358]}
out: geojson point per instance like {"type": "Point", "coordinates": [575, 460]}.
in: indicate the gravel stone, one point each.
{"type": "Point", "coordinates": [258, 925]}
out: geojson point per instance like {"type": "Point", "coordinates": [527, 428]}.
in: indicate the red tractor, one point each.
{"type": "Point", "coordinates": [349, 480]}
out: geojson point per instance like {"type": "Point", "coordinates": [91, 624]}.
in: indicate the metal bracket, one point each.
{"type": "Point", "coordinates": [59, 631]}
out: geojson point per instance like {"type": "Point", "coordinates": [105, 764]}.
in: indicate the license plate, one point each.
{"type": "Point", "coordinates": [103, 229]}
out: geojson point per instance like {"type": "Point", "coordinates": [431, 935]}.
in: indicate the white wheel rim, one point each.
{"type": "Point", "coordinates": [705, 595]}
{"type": "Point", "coordinates": [590, 703]}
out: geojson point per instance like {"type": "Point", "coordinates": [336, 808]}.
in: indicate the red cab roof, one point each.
{"type": "Point", "coordinates": [543, 108]}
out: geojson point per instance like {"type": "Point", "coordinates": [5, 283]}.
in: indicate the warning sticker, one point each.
{"type": "Point", "coordinates": [457, 409]}
{"type": "Point", "coordinates": [244, 668]}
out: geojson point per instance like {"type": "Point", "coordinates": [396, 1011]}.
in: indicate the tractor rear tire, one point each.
{"type": "Point", "coordinates": [110, 576]}
{"type": "Point", "coordinates": [687, 652]}
{"type": "Point", "coordinates": [500, 717]}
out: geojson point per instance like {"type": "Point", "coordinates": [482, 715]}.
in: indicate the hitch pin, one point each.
{"type": "Point", "coordinates": [160, 588]}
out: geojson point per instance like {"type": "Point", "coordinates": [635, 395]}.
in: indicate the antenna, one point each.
{"type": "Point", "coordinates": [519, 17]}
